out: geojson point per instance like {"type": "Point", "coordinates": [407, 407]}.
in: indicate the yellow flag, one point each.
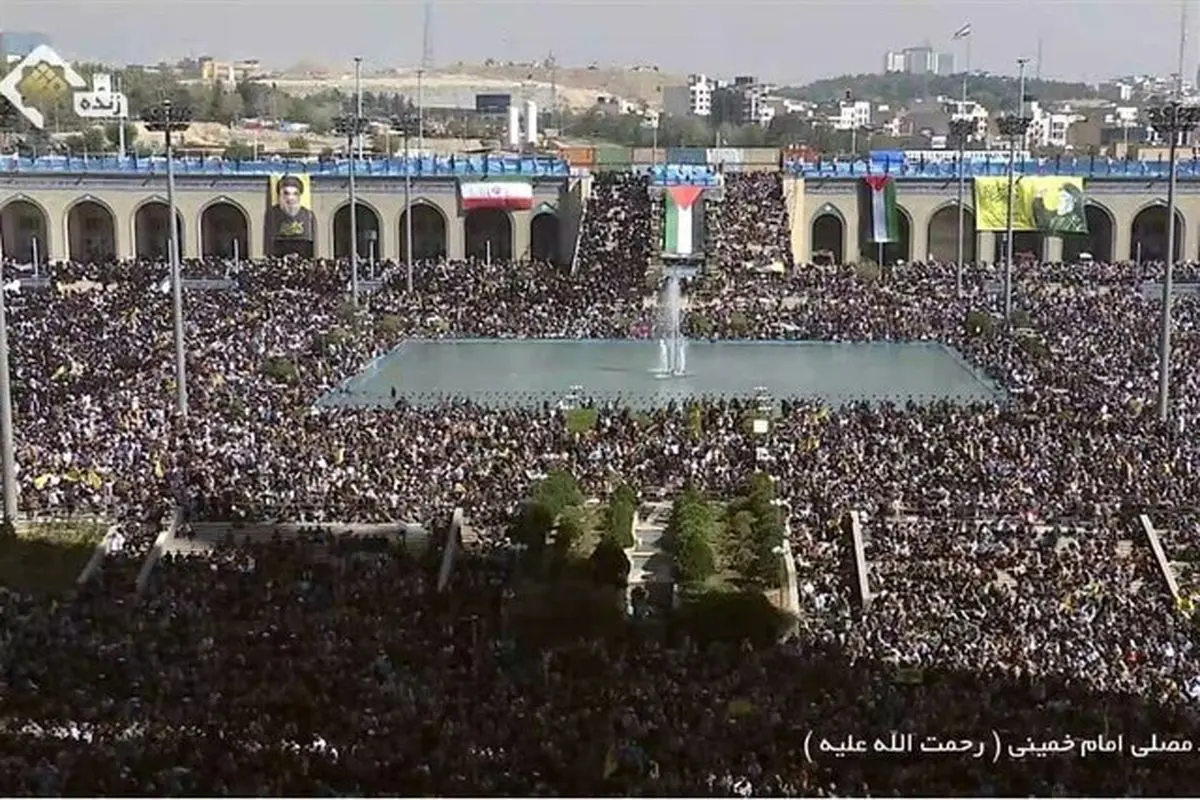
{"type": "Point", "coordinates": [740, 707]}
{"type": "Point", "coordinates": [41, 481]}
{"type": "Point", "coordinates": [59, 373]}
{"type": "Point", "coordinates": [159, 469]}
{"type": "Point", "coordinates": [94, 479]}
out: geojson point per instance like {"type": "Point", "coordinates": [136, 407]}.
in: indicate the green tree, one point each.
{"type": "Point", "coordinates": [733, 617]}
{"type": "Point", "coordinates": [610, 565]}
{"type": "Point", "coordinates": [298, 144]}
{"type": "Point", "coordinates": [112, 134]}
{"type": "Point", "coordinates": [531, 527]}
{"type": "Point", "coordinates": [558, 491]}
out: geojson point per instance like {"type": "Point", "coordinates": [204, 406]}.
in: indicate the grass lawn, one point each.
{"type": "Point", "coordinates": [46, 557]}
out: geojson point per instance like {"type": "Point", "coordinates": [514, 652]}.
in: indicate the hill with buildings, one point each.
{"type": "Point", "coordinates": [900, 89]}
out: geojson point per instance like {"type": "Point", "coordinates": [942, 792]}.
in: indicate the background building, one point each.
{"type": "Point", "coordinates": [923, 60]}
{"type": "Point", "coordinates": [15, 45]}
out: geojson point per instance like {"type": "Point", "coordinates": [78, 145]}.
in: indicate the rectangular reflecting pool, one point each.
{"type": "Point", "coordinates": [506, 372]}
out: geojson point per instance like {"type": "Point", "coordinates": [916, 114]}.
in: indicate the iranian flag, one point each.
{"type": "Point", "coordinates": [681, 229]}
{"type": "Point", "coordinates": [885, 218]}
{"type": "Point", "coordinates": [501, 194]}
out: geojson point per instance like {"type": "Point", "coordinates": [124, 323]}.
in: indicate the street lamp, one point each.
{"type": "Point", "coordinates": [1170, 121]}
{"type": "Point", "coordinates": [168, 118]}
{"type": "Point", "coordinates": [961, 130]}
{"type": "Point", "coordinates": [352, 126]}
{"type": "Point", "coordinates": [1013, 129]}
{"type": "Point", "coordinates": [403, 124]}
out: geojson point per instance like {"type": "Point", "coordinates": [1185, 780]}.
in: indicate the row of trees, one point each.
{"type": "Point", "coordinates": [551, 524]}
{"type": "Point", "coordinates": [746, 540]}
{"type": "Point", "coordinates": [899, 89]}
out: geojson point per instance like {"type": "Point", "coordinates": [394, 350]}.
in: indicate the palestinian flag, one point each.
{"type": "Point", "coordinates": [885, 217]}
{"type": "Point", "coordinates": [499, 194]}
{"type": "Point", "coordinates": [681, 236]}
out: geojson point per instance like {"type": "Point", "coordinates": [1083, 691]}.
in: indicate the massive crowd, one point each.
{"type": "Point", "coordinates": [1010, 592]}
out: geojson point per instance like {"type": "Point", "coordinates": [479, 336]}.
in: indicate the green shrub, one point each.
{"type": "Point", "coordinates": [1021, 318]}
{"type": "Point", "coordinates": [739, 325]}
{"type": "Point", "coordinates": [619, 523]}
{"type": "Point", "coordinates": [695, 561]}
{"type": "Point", "coordinates": [280, 369]}
{"type": "Point", "coordinates": [347, 311]}
{"type": "Point", "coordinates": [391, 325]}
{"type": "Point", "coordinates": [581, 420]}
{"type": "Point", "coordinates": [980, 323]}
{"type": "Point", "coordinates": [557, 492]}
{"type": "Point", "coordinates": [532, 526]}
{"type": "Point", "coordinates": [610, 565]}
{"type": "Point", "coordinates": [732, 617]}
{"type": "Point", "coordinates": [868, 271]}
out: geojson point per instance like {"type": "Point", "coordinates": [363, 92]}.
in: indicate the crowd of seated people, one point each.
{"type": "Point", "coordinates": [1011, 595]}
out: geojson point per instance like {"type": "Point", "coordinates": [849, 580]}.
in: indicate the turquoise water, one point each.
{"type": "Point", "coordinates": [509, 372]}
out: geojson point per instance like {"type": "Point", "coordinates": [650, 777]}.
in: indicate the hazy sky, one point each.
{"type": "Point", "coordinates": [779, 40]}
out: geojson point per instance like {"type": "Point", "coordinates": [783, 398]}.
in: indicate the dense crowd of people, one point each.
{"type": "Point", "coordinates": [1009, 593]}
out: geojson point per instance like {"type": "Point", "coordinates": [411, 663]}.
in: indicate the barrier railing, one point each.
{"type": "Point", "coordinates": [1081, 167]}
{"type": "Point", "coordinates": [476, 166]}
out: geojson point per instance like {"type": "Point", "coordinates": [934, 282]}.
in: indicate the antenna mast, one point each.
{"type": "Point", "coordinates": [426, 63]}
{"type": "Point", "coordinates": [1183, 31]}
{"type": "Point", "coordinates": [427, 37]}
{"type": "Point", "coordinates": [1037, 68]}
{"type": "Point", "coordinates": [553, 64]}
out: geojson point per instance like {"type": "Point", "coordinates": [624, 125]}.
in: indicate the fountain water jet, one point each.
{"type": "Point", "coordinates": [672, 346]}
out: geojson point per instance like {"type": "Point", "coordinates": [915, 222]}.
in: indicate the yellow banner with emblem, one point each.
{"type": "Point", "coordinates": [1053, 204]}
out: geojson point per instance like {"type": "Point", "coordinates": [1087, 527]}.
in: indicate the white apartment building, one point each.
{"type": "Point", "coordinates": [1048, 128]}
{"type": "Point", "coordinates": [969, 109]}
{"type": "Point", "coordinates": [693, 100]}
{"type": "Point", "coordinates": [894, 62]}
{"type": "Point", "coordinates": [852, 115]}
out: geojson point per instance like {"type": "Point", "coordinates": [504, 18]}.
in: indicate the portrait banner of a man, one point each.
{"type": "Point", "coordinates": [290, 219]}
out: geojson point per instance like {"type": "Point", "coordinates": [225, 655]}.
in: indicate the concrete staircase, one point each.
{"type": "Point", "coordinates": [649, 564]}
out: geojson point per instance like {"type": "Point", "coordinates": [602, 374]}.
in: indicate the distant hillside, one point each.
{"type": "Point", "coordinates": [996, 92]}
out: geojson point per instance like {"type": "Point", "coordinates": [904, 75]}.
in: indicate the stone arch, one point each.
{"type": "Point", "coordinates": [1102, 225]}
{"type": "Point", "coordinates": [370, 237]}
{"type": "Point", "coordinates": [430, 229]}
{"type": "Point", "coordinates": [1027, 245]}
{"type": "Point", "coordinates": [24, 231]}
{"type": "Point", "coordinates": [827, 230]}
{"type": "Point", "coordinates": [1148, 228]}
{"type": "Point", "coordinates": [151, 231]}
{"type": "Point", "coordinates": [943, 233]}
{"type": "Point", "coordinates": [545, 238]}
{"type": "Point", "coordinates": [488, 231]}
{"type": "Point", "coordinates": [91, 230]}
{"type": "Point", "coordinates": [222, 223]}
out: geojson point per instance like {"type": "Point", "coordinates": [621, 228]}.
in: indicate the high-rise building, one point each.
{"type": "Point", "coordinates": [923, 60]}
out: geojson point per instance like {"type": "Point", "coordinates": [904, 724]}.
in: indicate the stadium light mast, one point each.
{"type": "Point", "coordinates": [352, 126]}
{"type": "Point", "coordinates": [961, 130]}
{"type": "Point", "coordinates": [1172, 121]}
{"type": "Point", "coordinates": [1012, 128]}
{"type": "Point", "coordinates": [167, 118]}
{"type": "Point", "coordinates": [403, 125]}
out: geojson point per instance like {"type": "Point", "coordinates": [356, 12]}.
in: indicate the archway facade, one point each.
{"type": "Point", "coordinates": [152, 232]}
{"type": "Point", "coordinates": [828, 238]}
{"type": "Point", "coordinates": [943, 234]}
{"type": "Point", "coordinates": [224, 231]}
{"type": "Point", "coordinates": [91, 232]}
{"type": "Point", "coordinates": [367, 223]}
{"type": "Point", "coordinates": [23, 232]}
{"type": "Point", "coordinates": [429, 233]}
{"type": "Point", "coordinates": [1098, 241]}
{"type": "Point", "coordinates": [1148, 234]}
{"type": "Point", "coordinates": [544, 238]}
{"type": "Point", "coordinates": [488, 234]}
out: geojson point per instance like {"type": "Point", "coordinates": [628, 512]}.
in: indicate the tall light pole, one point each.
{"type": "Point", "coordinates": [8, 458]}
{"type": "Point", "coordinates": [168, 118]}
{"type": "Point", "coordinates": [404, 125]}
{"type": "Point", "coordinates": [351, 126]}
{"type": "Point", "coordinates": [1013, 128]}
{"type": "Point", "coordinates": [960, 131]}
{"type": "Point", "coordinates": [358, 99]}
{"type": "Point", "coordinates": [1171, 121]}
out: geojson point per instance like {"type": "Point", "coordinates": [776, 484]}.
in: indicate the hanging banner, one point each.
{"type": "Point", "coordinates": [1052, 204]}
{"type": "Point", "coordinates": [290, 219]}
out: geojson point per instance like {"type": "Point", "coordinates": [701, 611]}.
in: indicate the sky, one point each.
{"type": "Point", "coordinates": [785, 41]}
